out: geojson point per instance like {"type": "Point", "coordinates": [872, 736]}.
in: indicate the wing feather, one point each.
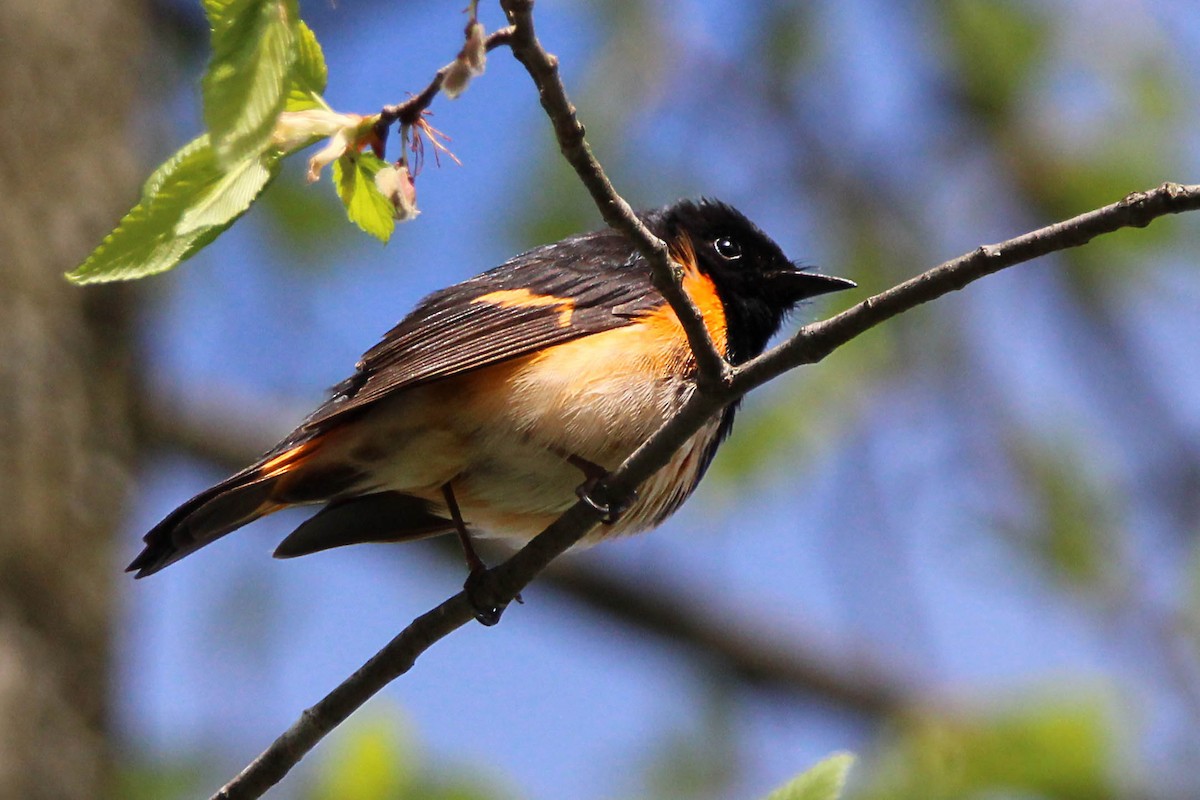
{"type": "Point", "coordinates": [550, 295]}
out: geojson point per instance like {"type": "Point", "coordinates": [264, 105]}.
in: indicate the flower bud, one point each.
{"type": "Point", "coordinates": [295, 129]}
{"type": "Point", "coordinates": [338, 144]}
{"type": "Point", "coordinates": [396, 183]}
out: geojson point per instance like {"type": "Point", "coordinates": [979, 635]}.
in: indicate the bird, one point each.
{"type": "Point", "coordinates": [499, 401]}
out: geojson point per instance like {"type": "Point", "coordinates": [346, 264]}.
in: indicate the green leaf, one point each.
{"type": "Point", "coordinates": [197, 151]}
{"type": "Point", "coordinates": [309, 73]}
{"type": "Point", "coordinates": [246, 85]}
{"type": "Point", "coordinates": [354, 179]}
{"type": "Point", "coordinates": [825, 781]}
{"type": "Point", "coordinates": [185, 204]}
{"type": "Point", "coordinates": [230, 196]}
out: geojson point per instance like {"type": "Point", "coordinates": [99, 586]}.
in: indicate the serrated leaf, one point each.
{"type": "Point", "coordinates": [825, 781]}
{"type": "Point", "coordinates": [246, 84]}
{"type": "Point", "coordinates": [354, 179]}
{"type": "Point", "coordinates": [195, 151]}
{"type": "Point", "coordinates": [309, 73]}
{"type": "Point", "coordinates": [149, 239]}
{"type": "Point", "coordinates": [230, 196]}
{"type": "Point", "coordinates": [144, 241]}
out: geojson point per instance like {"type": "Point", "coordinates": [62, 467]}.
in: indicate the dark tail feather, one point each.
{"type": "Point", "coordinates": [379, 517]}
{"type": "Point", "coordinates": [284, 476]}
{"type": "Point", "coordinates": [205, 518]}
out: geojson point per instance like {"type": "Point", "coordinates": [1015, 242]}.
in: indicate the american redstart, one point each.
{"type": "Point", "coordinates": [493, 403]}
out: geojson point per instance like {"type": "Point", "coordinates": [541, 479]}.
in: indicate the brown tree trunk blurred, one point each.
{"type": "Point", "coordinates": [66, 174]}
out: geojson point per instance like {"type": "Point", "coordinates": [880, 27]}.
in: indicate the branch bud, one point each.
{"type": "Point", "coordinates": [471, 61]}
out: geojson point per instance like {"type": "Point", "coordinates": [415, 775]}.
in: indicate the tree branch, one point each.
{"type": "Point", "coordinates": [712, 369]}
{"type": "Point", "coordinates": [744, 647]}
{"type": "Point", "coordinates": [813, 342]}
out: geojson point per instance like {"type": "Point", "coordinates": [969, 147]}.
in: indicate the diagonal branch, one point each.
{"type": "Point", "coordinates": [712, 369]}
{"type": "Point", "coordinates": [814, 342]}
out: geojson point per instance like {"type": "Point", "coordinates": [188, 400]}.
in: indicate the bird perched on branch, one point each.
{"type": "Point", "coordinates": [499, 399]}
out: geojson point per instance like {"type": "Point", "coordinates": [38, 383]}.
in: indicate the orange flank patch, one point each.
{"type": "Point", "coordinates": [523, 298]}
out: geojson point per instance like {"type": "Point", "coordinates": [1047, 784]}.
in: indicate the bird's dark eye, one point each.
{"type": "Point", "coordinates": [728, 249]}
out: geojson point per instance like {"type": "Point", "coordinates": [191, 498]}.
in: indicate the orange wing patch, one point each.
{"type": "Point", "coordinates": [523, 298]}
{"type": "Point", "coordinates": [287, 461]}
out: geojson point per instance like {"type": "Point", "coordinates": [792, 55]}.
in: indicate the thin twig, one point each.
{"type": "Point", "coordinates": [813, 342]}
{"type": "Point", "coordinates": [712, 369]}
{"type": "Point", "coordinates": [389, 663]}
{"type": "Point", "coordinates": [408, 112]}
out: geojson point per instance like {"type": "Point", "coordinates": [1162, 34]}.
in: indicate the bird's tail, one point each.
{"type": "Point", "coordinates": [263, 488]}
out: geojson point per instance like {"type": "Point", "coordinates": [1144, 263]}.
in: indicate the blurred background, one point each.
{"type": "Point", "coordinates": [964, 547]}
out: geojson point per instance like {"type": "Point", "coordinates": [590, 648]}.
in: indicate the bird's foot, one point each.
{"type": "Point", "coordinates": [595, 493]}
{"type": "Point", "coordinates": [481, 593]}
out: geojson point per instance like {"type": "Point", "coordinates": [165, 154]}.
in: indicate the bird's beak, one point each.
{"type": "Point", "coordinates": [800, 284]}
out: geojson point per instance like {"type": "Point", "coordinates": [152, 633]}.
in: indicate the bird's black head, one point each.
{"type": "Point", "coordinates": [757, 283]}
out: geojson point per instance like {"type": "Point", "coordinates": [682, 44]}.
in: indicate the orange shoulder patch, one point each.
{"type": "Point", "coordinates": [523, 298]}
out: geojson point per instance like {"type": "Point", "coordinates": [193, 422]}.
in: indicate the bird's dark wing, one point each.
{"type": "Point", "coordinates": [550, 295]}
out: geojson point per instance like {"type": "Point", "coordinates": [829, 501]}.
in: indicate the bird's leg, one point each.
{"type": "Point", "coordinates": [486, 614]}
{"type": "Point", "coordinates": [592, 491]}
{"type": "Point", "coordinates": [474, 562]}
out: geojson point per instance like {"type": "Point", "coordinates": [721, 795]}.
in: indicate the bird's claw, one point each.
{"type": "Point", "coordinates": [593, 492]}
{"type": "Point", "coordinates": [479, 593]}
